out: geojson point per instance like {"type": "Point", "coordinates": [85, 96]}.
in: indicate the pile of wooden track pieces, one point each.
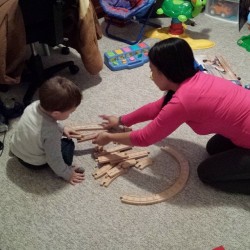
{"type": "Point", "coordinates": [117, 160]}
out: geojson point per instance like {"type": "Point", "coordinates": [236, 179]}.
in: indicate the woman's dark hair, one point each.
{"type": "Point", "coordinates": [59, 94]}
{"type": "Point", "coordinates": [167, 97]}
{"type": "Point", "coordinates": [174, 58]}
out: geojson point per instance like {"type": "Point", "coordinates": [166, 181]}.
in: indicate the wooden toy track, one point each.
{"type": "Point", "coordinates": [88, 131]}
{"type": "Point", "coordinates": [168, 193]}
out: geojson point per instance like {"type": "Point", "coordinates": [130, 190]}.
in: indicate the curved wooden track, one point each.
{"type": "Point", "coordinates": [169, 192]}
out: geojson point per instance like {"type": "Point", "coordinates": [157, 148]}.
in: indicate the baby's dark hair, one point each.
{"type": "Point", "coordinates": [59, 94]}
{"type": "Point", "coordinates": [174, 58]}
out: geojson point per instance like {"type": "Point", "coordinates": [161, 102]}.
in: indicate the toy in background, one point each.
{"type": "Point", "coordinates": [218, 66]}
{"type": "Point", "coordinates": [128, 57]}
{"type": "Point", "coordinates": [122, 12]}
{"type": "Point", "coordinates": [180, 12]}
{"type": "Point", "coordinates": [244, 17]}
{"type": "Point", "coordinates": [243, 12]}
{"type": "Point", "coordinates": [226, 10]}
{"type": "Point", "coordinates": [248, 19]}
{"type": "Point", "coordinates": [9, 109]}
{"type": "Point", "coordinates": [244, 42]}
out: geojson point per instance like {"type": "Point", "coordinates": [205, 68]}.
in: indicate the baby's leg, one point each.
{"type": "Point", "coordinates": [67, 147]}
{"type": "Point", "coordinates": [30, 166]}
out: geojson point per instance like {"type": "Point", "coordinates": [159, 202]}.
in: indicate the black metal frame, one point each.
{"type": "Point", "coordinates": [43, 21]}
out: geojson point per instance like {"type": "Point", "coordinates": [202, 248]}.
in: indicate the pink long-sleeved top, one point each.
{"type": "Point", "coordinates": [206, 103]}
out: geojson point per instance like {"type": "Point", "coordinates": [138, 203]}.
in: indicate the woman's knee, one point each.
{"type": "Point", "coordinates": [218, 144]}
{"type": "Point", "coordinates": [215, 167]}
{"type": "Point", "coordinates": [203, 173]}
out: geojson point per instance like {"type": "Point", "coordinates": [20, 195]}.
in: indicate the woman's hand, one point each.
{"type": "Point", "coordinates": [110, 121]}
{"type": "Point", "coordinates": [102, 139]}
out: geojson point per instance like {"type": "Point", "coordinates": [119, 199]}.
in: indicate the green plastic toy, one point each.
{"type": "Point", "coordinates": [181, 9]}
{"type": "Point", "coordinates": [244, 42]}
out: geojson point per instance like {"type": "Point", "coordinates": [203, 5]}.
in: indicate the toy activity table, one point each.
{"type": "Point", "coordinates": [127, 57]}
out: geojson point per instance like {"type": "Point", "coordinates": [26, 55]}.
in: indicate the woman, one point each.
{"type": "Point", "coordinates": [208, 104]}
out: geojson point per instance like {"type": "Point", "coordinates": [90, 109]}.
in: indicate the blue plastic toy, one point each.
{"type": "Point", "coordinates": [128, 57]}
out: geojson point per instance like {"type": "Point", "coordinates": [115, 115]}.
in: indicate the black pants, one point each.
{"type": "Point", "coordinates": [227, 168]}
{"type": "Point", "coordinates": [67, 148]}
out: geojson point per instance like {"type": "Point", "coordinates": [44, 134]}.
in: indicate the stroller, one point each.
{"type": "Point", "coordinates": [128, 10]}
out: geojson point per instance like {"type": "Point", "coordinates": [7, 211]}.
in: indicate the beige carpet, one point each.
{"type": "Point", "coordinates": [40, 211]}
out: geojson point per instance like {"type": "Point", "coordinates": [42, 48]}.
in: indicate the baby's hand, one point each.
{"type": "Point", "coordinates": [76, 177]}
{"type": "Point", "coordinates": [70, 132]}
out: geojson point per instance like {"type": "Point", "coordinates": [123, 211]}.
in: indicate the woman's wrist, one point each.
{"type": "Point", "coordinates": [120, 121]}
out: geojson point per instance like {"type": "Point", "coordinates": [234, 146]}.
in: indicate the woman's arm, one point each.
{"type": "Point", "coordinates": [105, 138]}
{"type": "Point", "coordinates": [145, 113]}
{"type": "Point", "coordinates": [167, 121]}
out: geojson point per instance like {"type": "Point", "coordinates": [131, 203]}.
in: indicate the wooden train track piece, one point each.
{"type": "Point", "coordinates": [143, 163]}
{"type": "Point", "coordinates": [111, 158]}
{"type": "Point", "coordinates": [89, 127]}
{"type": "Point", "coordinates": [106, 180]}
{"type": "Point", "coordinates": [99, 127]}
{"type": "Point", "coordinates": [128, 163]}
{"type": "Point", "coordinates": [118, 148]}
{"type": "Point", "coordinates": [117, 157]}
{"type": "Point", "coordinates": [127, 156]}
{"type": "Point", "coordinates": [86, 137]}
{"type": "Point", "coordinates": [116, 161]}
{"type": "Point", "coordinates": [114, 171]}
{"type": "Point", "coordinates": [137, 154]}
{"type": "Point", "coordinates": [78, 137]}
{"type": "Point", "coordinates": [122, 165]}
{"type": "Point", "coordinates": [95, 128]}
{"type": "Point", "coordinates": [102, 171]}
{"type": "Point", "coordinates": [169, 192]}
